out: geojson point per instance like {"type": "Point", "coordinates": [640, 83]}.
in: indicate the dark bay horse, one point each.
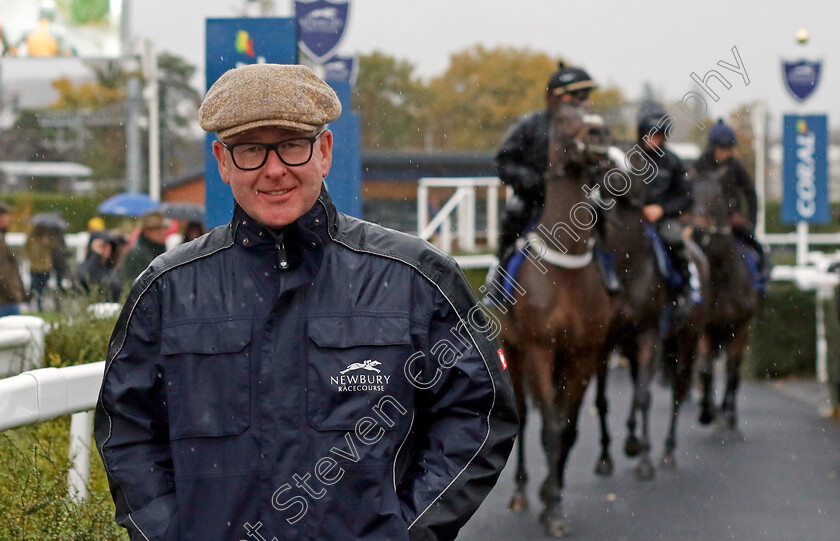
{"type": "Point", "coordinates": [733, 301]}
{"type": "Point", "coordinates": [553, 334]}
{"type": "Point", "coordinates": [636, 328]}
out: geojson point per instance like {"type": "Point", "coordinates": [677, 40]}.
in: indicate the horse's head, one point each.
{"type": "Point", "coordinates": [709, 211]}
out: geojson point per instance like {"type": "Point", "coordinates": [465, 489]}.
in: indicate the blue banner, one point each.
{"type": "Point", "coordinates": [232, 43]}
{"type": "Point", "coordinates": [322, 24]}
{"type": "Point", "coordinates": [805, 197]}
{"type": "Point", "coordinates": [345, 179]}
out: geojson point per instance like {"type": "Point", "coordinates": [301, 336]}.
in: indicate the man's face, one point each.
{"type": "Point", "coordinates": [4, 220]}
{"type": "Point", "coordinates": [276, 194]}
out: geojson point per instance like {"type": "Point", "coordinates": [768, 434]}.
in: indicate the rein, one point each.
{"type": "Point", "coordinates": [559, 259]}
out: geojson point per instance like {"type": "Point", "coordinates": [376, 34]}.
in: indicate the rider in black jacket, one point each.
{"type": "Point", "coordinates": [738, 188]}
{"type": "Point", "coordinates": [522, 160]}
{"type": "Point", "coordinates": [666, 197]}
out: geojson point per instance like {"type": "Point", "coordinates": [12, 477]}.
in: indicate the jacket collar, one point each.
{"type": "Point", "coordinates": [301, 241]}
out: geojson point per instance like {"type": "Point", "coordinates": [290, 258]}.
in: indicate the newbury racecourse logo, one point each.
{"type": "Point", "coordinates": [360, 382]}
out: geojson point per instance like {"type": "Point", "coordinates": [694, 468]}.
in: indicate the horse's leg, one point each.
{"type": "Point", "coordinates": [519, 500]}
{"type": "Point", "coordinates": [605, 463]}
{"type": "Point", "coordinates": [686, 346]}
{"type": "Point", "coordinates": [542, 383]}
{"type": "Point", "coordinates": [632, 445]}
{"type": "Point", "coordinates": [706, 369]}
{"type": "Point", "coordinates": [734, 355]}
{"type": "Point", "coordinates": [569, 397]}
{"type": "Point", "coordinates": [647, 351]}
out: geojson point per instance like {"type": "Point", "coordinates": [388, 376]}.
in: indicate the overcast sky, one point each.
{"type": "Point", "coordinates": [619, 43]}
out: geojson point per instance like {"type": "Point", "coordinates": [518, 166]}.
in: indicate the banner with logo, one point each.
{"type": "Point", "coordinates": [805, 195]}
{"type": "Point", "coordinates": [801, 78]}
{"type": "Point", "coordinates": [342, 69]}
{"type": "Point", "coordinates": [322, 24]}
{"type": "Point", "coordinates": [232, 43]}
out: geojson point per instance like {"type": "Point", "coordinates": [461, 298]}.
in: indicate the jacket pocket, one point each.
{"type": "Point", "coordinates": [209, 389]}
{"type": "Point", "coordinates": [354, 361]}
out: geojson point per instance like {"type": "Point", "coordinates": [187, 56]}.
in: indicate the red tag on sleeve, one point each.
{"type": "Point", "coordinates": [502, 359]}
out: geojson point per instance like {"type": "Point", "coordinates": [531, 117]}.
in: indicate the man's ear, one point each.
{"type": "Point", "coordinates": [223, 159]}
{"type": "Point", "coordinates": [326, 142]}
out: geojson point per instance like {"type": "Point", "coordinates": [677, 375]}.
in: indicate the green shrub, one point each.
{"type": "Point", "coordinates": [33, 459]}
{"type": "Point", "coordinates": [783, 338]}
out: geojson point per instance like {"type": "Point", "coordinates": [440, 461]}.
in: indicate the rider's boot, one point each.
{"type": "Point", "coordinates": [606, 265]}
{"type": "Point", "coordinates": [497, 279]}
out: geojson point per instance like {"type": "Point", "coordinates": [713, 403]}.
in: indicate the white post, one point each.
{"type": "Point", "coordinates": [422, 207]}
{"type": "Point", "coordinates": [79, 455]}
{"type": "Point", "coordinates": [801, 243]}
{"type": "Point", "coordinates": [492, 217]}
{"type": "Point", "coordinates": [150, 71]}
{"type": "Point", "coordinates": [823, 294]}
{"type": "Point", "coordinates": [466, 222]}
{"type": "Point", "coordinates": [759, 118]}
{"type": "Point", "coordinates": [446, 235]}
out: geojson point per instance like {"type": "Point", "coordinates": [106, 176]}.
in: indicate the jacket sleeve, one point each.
{"type": "Point", "coordinates": [464, 426]}
{"type": "Point", "coordinates": [513, 165]}
{"type": "Point", "coordinates": [679, 197]}
{"type": "Point", "coordinates": [131, 423]}
{"type": "Point", "coordinates": [746, 190]}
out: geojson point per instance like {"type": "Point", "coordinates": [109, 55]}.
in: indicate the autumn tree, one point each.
{"type": "Point", "coordinates": [482, 93]}
{"type": "Point", "coordinates": [390, 101]}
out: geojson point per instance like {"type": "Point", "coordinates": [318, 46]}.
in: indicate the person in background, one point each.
{"type": "Point", "coordinates": [12, 292]}
{"type": "Point", "coordinates": [739, 192]}
{"type": "Point", "coordinates": [98, 275]}
{"type": "Point", "coordinates": [193, 230]}
{"type": "Point", "coordinates": [150, 243]}
{"type": "Point", "coordinates": [39, 250]}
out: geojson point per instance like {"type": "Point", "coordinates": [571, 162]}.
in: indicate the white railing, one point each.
{"type": "Point", "coordinates": [463, 204]}
{"type": "Point", "coordinates": [46, 393]}
{"type": "Point", "coordinates": [814, 276]}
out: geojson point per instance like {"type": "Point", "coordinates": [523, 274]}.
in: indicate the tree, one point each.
{"type": "Point", "coordinates": [741, 123]}
{"type": "Point", "coordinates": [482, 93]}
{"type": "Point", "coordinates": [390, 101]}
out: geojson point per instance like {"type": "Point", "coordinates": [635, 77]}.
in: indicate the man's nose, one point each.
{"type": "Point", "coordinates": [274, 164]}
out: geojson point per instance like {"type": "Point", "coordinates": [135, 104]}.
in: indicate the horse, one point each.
{"type": "Point", "coordinates": [636, 328]}
{"type": "Point", "coordinates": [553, 335]}
{"type": "Point", "coordinates": [733, 301]}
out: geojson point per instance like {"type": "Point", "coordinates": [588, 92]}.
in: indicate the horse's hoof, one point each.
{"type": "Point", "coordinates": [632, 446]}
{"type": "Point", "coordinates": [668, 462]}
{"type": "Point", "coordinates": [519, 503]}
{"type": "Point", "coordinates": [553, 522]}
{"type": "Point", "coordinates": [645, 471]}
{"type": "Point", "coordinates": [707, 416]}
{"type": "Point", "coordinates": [604, 467]}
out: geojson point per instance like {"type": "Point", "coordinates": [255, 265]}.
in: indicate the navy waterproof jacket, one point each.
{"type": "Point", "coordinates": [334, 381]}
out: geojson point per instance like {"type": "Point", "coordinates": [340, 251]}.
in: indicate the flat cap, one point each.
{"type": "Point", "coordinates": [283, 95]}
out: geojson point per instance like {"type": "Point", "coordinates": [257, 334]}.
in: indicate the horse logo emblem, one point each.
{"type": "Point", "coordinates": [368, 364]}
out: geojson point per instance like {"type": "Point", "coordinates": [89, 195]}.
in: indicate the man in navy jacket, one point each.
{"type": "Point", "coordinates": [299, 373]}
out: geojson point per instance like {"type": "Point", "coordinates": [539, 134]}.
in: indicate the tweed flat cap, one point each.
{"type": "Point", "coordinates": [284, 95]}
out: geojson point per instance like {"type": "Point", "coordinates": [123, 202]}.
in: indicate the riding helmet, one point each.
{"type": "Point", "coordinates": [650, 117]}
{"type": "Point", "coordinates": [566, 80]}
{"type": "Point", "coordinates": [721, 135]}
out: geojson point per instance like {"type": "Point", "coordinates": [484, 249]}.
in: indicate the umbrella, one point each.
{"type": "Point", "coordinates": [49, 220]}
{"type": "Point", "coordinates": [183, 211]}
{"type": "Point", "coordinates": [128, 204]}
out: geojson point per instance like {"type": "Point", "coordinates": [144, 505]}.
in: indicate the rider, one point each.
{"type": "Point", "coordinates": [738, 188]}
{"type": "Point", "coordinates": [522, 160]}
{"type": "Point", "coordinates": [666, 197]}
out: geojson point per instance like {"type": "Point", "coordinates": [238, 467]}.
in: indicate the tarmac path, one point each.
{"type": "Point", "coordinates": [782, 483]}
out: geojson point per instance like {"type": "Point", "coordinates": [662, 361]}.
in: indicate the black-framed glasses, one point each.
{"type": "Point", "coordinates": [292, 152]}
